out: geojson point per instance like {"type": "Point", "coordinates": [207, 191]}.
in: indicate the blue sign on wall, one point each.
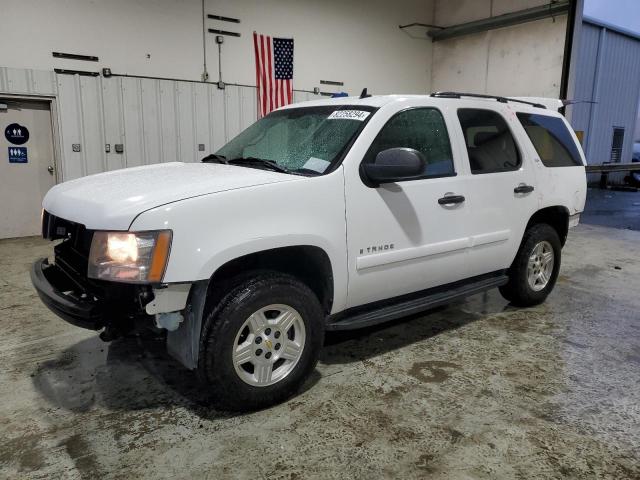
{"type": "Point", "coordinates": [17, 154]}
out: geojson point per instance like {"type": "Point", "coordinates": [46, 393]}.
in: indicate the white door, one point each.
{"type": "Point", "coordinates": [400, 239]}
{"type": "Point", "coordinates": [26, 165]}
{"type": "Point", "coordinates": [502, 194]}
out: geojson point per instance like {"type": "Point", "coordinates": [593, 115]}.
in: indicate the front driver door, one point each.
{"type": "Point", "coordinates": [400, 239]}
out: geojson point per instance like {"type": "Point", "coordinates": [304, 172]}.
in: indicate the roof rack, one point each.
{"type": "Point", "coordinates": [480, 95]}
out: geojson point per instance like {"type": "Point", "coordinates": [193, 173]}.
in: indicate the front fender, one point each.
{"type": "Point", "coordinates": [211, 230]}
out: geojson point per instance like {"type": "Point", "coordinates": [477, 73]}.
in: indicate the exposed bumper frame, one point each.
{"type": "Point", "coordinates": [85, 313]}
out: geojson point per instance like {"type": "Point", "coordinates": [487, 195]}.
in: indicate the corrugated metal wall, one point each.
{"type": "Point", "coordinates": [609, 76]}
{"type": "Point", "coordinates": [155, 120]}
{"type": "Point", "coordinates": [27, 82]}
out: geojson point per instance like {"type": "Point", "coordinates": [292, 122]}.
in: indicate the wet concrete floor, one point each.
{"type": "Point", "coordinates": [475, 390]}
{"type": "Point", "coordinates": [612, 208]}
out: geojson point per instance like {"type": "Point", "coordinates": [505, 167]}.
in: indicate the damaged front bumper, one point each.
{"type": "Point", "coordinates": [85, 305]}
{"type": "Point", "coordinates": [119, 307]}
{"type": "Point", "coordinates": [65, 298]}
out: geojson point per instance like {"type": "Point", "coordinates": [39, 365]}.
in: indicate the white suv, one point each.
{"type": "Point", "coordinates": [328, 215]}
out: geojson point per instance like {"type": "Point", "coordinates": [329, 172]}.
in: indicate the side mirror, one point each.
{"type": "Point", "coordinates": [394, 165]}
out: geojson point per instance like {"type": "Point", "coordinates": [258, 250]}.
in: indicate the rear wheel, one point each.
{"type": "Point", "coordinates": [261, 341]}
{"type": "Point", "coordinates": [534, 271]}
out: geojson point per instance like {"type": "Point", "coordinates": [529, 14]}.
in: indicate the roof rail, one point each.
{"type": "Point", "coordinates": [481, 95]}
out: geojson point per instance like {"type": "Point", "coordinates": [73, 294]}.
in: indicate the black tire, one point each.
{"type": "Point", "coordinates": [517, 290]}
{"type": "Point", "coordinates": [223, 321]}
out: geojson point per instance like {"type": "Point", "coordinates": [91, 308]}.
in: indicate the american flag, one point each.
{"type": "Point", "coordinates": [274, 72]}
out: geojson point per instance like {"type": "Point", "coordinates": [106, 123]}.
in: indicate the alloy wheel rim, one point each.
{"type": "Point", "coordinates": [269, 345]}
{"type": "Point", "coordinates": [540, 266]}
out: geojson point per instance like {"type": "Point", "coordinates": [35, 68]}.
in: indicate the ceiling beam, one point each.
{"type": "Point", "coordinates": [514, 18]}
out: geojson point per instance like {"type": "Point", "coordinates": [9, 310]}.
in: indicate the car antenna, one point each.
{"type": "Point", "coordinates": [364, 93]}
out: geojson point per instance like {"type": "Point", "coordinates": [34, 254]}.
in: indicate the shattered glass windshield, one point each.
{"type": "Point", "coordinates": [303, 140]}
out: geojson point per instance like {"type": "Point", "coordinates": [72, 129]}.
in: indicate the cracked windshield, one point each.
{"type": "Point", "coordinates": [300, 140]}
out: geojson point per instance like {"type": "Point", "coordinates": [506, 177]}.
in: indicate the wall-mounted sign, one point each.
{"type": "Point", "coordinates": [16, 134]}
{"type": "Point", "coordinates": [18, 155]}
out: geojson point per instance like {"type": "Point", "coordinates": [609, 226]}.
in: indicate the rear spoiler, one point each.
{"type": "Point", "coordinates": [553, 104]}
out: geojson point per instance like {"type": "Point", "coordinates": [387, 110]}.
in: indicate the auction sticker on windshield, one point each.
{"type": "Point", "coordinates": [359, 115]}
{"type": "Point", "coordinates": [316, 164]}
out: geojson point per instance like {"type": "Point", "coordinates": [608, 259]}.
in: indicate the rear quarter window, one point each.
{"type": "Point", "coordinates": [551, 139]}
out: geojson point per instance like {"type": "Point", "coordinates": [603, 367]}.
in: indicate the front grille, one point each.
{"type": "Point", "coordinates": [72, 254]}
{"type": "Point", "coordinates": [54, 228]}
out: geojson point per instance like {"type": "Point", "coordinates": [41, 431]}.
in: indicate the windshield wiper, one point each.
{"type": "Point", "coordinates": [215, 158]}
{"type": "Point", "coordinates": [260, 161]}
{"type": "Point", "coordinates": [307, 172]}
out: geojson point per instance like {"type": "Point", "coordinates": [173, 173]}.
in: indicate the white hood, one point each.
{"type": "Point", "coordinates": [111, 201]}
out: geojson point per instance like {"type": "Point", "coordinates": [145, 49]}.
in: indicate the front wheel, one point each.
{"type": "Point", "coordinates": [261, 341]}
{"type": "Point", "coordinates": [534, 271]}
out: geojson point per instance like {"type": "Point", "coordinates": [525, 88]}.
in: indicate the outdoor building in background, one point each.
{"type": "Point", "coordinates": [606, 78]}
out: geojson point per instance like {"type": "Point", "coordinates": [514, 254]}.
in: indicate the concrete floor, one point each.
{"type": "Point", "coordinates": [611, 208]}
{"type": "Point", "coordinates": [475, 390]}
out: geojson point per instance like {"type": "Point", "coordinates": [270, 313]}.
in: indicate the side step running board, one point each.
{"type": "Point", "coordinates": [410, 304]}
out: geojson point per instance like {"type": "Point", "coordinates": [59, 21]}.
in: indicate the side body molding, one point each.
{"type": "Point", "coordinates": [422, 251]}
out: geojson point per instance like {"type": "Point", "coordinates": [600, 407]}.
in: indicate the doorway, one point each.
{"type": "Point", "coordinates": [27, 168]}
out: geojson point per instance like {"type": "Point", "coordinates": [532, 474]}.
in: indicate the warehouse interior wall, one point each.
{"type": "Point", "coordinates": [178, 117]}
{"type": "Point", "coordinates": [355, 42]}
{"type": "Point", "coordinates": [521, 60]}
{"type": "Point", "coordinates": [358, 43]}
{"type": "Point", "coordinates": [106, 123]}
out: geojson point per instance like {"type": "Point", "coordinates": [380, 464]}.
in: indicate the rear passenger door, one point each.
{"type": "Point", "coordinates": [501, 188]}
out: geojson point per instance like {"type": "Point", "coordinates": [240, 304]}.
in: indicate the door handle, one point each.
{"type": "Point", "coordinates": [523, 188]}
{"type": "Point", "coordinates": [450, 199]}
{"type": "Point", "coordinates": [50, 169]}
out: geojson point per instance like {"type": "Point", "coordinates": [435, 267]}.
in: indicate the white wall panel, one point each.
{"type": "Point", "coordinates": [169, 130]}
{"type": "Point", "coordinates": [30, 82]}
{"type": "Point", "coordinates": [91, 125]}
{"type": "Point", "coordinates": [69, 118]}
{"type": "Point", "coordinates": [132, 122]}
{"type": "Point", "coordinates": [202, 122]}
{"type": "Point", "coordinates": [232, 112]}
{"type": "Point", "coordinates": [248, 106]}
{"type": "Point", "coordinates": [155, 120]}
{"type": "Point", "coordinates": [113, 122]}
{"type": "Point", "coordinates": [185, 115]}
{"type": "Point", "coordinates": [217, 117]}
{"type": "Point", "coordinates": [151, 123]}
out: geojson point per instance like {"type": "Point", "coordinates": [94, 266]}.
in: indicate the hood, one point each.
{"type": "Point", "coordinates": [112, 200]}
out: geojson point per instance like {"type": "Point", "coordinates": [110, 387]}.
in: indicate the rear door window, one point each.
{"type": "Point", "coordinates": [490, 144]}
{"type": "Point", "coordinates": [551, 139]}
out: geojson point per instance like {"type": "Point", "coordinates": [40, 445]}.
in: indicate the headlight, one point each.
{"type": "Point", "coordinates": [139, 257]}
